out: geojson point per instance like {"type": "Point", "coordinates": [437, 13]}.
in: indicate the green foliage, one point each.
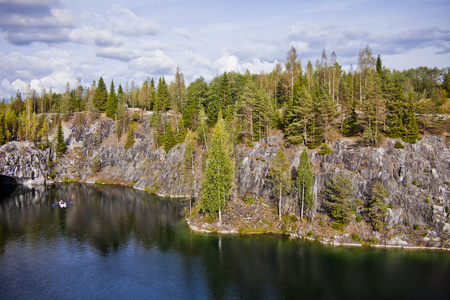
{"type": "Point", "coordinates": [309, 233]}
{"type": "Point", "coordinates": [60, 145]}
{"type": "Point", "coordinates": [100, 95]}
{"type": "Point", "coordinates": [416, 227]}
{"type": "Point", "coordinates": [281, 177]}
{"type": "Point", "coordinates": [96, 164]}
{"type": "Point", "coordinates": [358, 218]}
{"type": "Point", "coordinates": [219, 171]}
{"type": "Point", "coordinates": [372, 241]}
{"type": "Point", "coordinates": [338, 226]}
{"type": "Point", "coordinates": [249, 200]}
{"type": "Point", "coordinates": [351, 125]}
{"type": "Point", "coordinates": [111, 103]}
{"type": "Point", "coordinates": [325, 149]}
{"type": "Point", "coordinates": [169, 138]}
{"type": "Point", "coordinates": [130, 137]}
{"type": "Point", "coordinates": [399, 145]}
{"type": "Point", "coordinates": [411, 133]}
{"type": "Point", "coordinates": [377, 209]}
{"type": "Point", "coordinates": [340, 199]}
{"type": "Point", "coordinates": [304, 182]}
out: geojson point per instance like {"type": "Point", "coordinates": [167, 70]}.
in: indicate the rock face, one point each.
{"type": "Point", "coordinates": [23, 163]}
{"type": "Point", "coordinates": [417, 177]}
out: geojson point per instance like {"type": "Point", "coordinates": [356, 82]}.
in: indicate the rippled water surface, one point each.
{"type": "Point", "coordinates": [119, 243]}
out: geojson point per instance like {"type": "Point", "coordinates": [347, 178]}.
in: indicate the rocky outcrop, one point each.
{"type": "Point", "coordinates": [417, 177]}
{"type": "Point", "coordinates": [23, 163]}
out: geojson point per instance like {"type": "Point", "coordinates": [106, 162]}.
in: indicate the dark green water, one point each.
{"type": "Point", "coordinates": [119, 243]}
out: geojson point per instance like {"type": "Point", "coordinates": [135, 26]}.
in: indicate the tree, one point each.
{"type": "Point", "coordinates": [60, 145]}
{"type": "Point", "coordinates": [339, 195]}
{"type": "Point", "coordinates": [101, 95]}
{"type": "Point", "coordinates": [281, 176]}
{"type": "Point", "coordinates": [411, 132]}
{"type": "Point", "coordinates": [130, 138]}
{"type": "Point", "coordinates": [169, 138]}
{"type": "Point", "coordinates": [305, 182]}
{"type": "Point", "coordinates": [188, 165]}
{"type": "Point", "coordinates": [377, 210]}
{"type": "Point", "coordinates": [293, 66]}
{"type": "Point", "coordinates": [219, 171]}
{"type": "Point", "coordinates": [111, 104]}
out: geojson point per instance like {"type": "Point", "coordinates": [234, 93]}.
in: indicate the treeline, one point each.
{"type": "Point", "coordinates": [311, 104]}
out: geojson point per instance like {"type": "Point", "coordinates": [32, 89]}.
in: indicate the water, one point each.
{"type": "Point", "coordinates": [119, 243]}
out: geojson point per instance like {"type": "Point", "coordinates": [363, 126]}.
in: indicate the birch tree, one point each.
{"type": "Point", "coordinates": [305, 182]}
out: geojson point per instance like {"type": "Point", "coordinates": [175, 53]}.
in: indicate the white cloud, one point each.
{"type": "Point", "coordinates": [125, 22]}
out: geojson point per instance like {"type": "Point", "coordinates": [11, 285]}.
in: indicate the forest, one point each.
{"type": "Point", "coordinates": [311, 104]}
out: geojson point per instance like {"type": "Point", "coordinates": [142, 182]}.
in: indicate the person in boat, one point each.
{"type": "Point", "coordinates": [61, 202]}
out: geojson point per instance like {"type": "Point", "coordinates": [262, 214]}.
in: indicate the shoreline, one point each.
{"type": "Point", "coordinates": [196, 229]}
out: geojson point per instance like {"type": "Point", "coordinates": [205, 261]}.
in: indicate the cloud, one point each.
{"type": "Point", "coordinates": [125, 22]}
{"type": "Point", "coordinates": [155, 62]}
{"type": "Point", "coordinates": [24, 22]}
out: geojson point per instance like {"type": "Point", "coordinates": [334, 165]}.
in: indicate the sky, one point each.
{"type": "Point", "coordinates": [48, 43]}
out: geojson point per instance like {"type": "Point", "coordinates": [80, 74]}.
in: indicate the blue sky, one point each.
{"type": "Point", "coordinates": [48, 43]}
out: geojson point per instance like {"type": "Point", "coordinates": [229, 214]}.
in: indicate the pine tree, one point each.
{"type": "Point", "coordinates": [339, 195]}
{"type": "Point", "coordinates": [60, 145]}
{"type": "Point", "coordinates": [169, 138]}
{"type": "Point", "coordinates": [101, 95]}
{"type": "Point", "coordinates": [130, 138]}
{"type": "Point", "coordinates": [111, 104]}
{"type": "Point", "coordinates": [377, 210]}
{"type": "Point", "coordinates": [188, 165]}
{"type": "Point", "coordinates": [219, 171]}
{"type": "Point", "coordinates": [281, 176]}
{"type": "Point", "coordinates": [305, 183]}
{"type": "Point", "coordinates": [411, 131]}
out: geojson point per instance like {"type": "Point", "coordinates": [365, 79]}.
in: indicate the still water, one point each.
{"type": "Point", "coordinates": [120, 243]}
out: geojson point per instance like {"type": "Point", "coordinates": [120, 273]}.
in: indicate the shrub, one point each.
{"type": "Point", "coordinates": [355, 237]}
{"type": "Point", "coordinates": [96, 164]}
{"type": "Point", "coordinates": [338, 226]}
{"type": "Point", "coordinates": [250, 200]}
{"type": "Point", "coordinates": [372, 240]}
{"type": "Point", "coordinates": [359, 218]}
{"type": "Point", "coordinates": [416, 227]}
{"type": "Point", "coordinates": [325, 149]}
{"type": "Point", "coordinates": [309, 233]}
{"type": "Point", "coordinates": [414, 182]}
{"type": "Point", "coordinates": [399, 145]}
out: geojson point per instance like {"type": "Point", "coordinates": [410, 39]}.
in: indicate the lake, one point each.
{"type": "Point", "coordinates": [120, 243]}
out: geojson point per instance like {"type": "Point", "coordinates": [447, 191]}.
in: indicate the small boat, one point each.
{"type": "Point", "coordinates": [62, 204]}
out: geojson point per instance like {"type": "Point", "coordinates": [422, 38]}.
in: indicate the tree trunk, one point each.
{"type": "Point", "coordinates": [279, 205]}
{"type": "Point", "coordinates": [303, 199]}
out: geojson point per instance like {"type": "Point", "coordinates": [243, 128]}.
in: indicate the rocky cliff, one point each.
{"type": "Point", "coordinates": [417, 177]}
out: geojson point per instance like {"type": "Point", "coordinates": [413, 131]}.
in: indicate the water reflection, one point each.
{"type": "Point", "coordinates": [142, 248]}
{"type": "Point", "coordinates": [104, 216]}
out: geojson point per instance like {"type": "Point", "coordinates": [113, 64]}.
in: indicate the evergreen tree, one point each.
{"type": "Point", "coordinates": [130, 138]}
{"type": "Point", "coordinates": [100, 96]}
{"type": "Point", "coordinates": [60, 145]}
{"type": "Point", "coordinates": [169, 138]}
{"type": "Point", "coordinates": [305, 183]}
{"type": "Point", "coordinates": [111, 104]}
{"type": "Point", "coordinates": [188, 165]}
{"type": "Point", "coordinates": [339, 195]}
{"type": "Point", "coordinates": [411, 132]}
{"type": "Point", "coordinates": [202, 128]}
{"type": "Point", "coordinates": [219, 171]}
{"type": "Point", "coordinates": [377, 210]}
{"type": "Point", "coordinates": [225, 98]}
{"type": "Point", "coordinates": [281, 176]}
